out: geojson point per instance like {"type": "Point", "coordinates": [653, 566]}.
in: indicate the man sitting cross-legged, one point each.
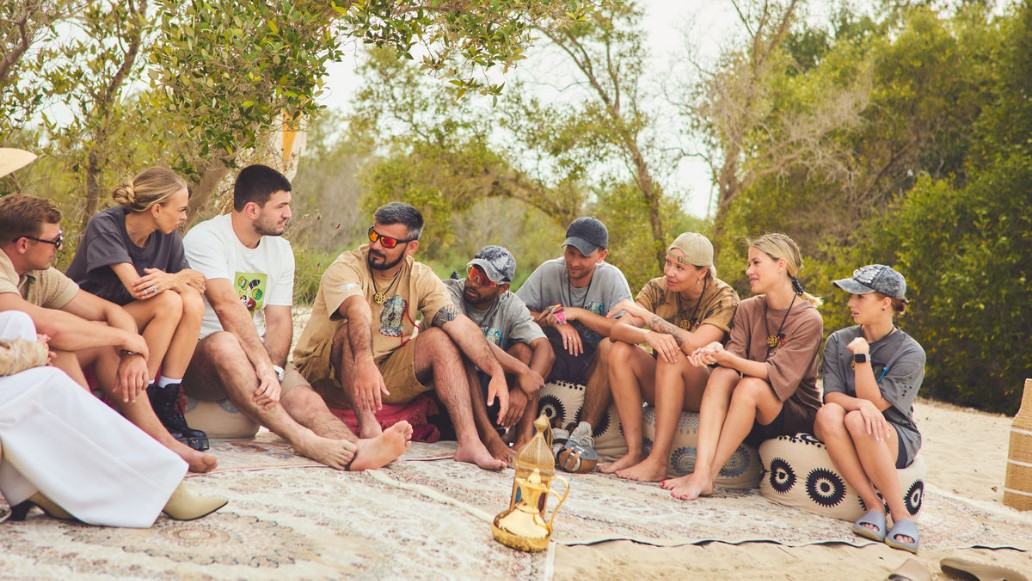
{"type": "Point", "coordinates": [360, 347]}
{"type": "Point", "coordinates": [517, 341]}
{"type": "Point", "coordinates": [85, 331]}
{"type": "Point", "coordinates": [248, 326]}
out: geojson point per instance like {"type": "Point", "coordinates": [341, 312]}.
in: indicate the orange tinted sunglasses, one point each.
{"type": "Point", "coordinates": [385, 241]}
{"type": "Point", "coordinates": [479, 278]}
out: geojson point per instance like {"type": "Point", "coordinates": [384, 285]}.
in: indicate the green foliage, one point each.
{"type": "Point", "coordinates": [309, 266]}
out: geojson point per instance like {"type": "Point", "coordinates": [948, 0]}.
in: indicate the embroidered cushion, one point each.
{"type": "Point", "coordinates": [797, 471]}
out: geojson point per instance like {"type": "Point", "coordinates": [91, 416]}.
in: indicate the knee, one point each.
{"type": "Point", "coordinates": [193, 304]}
{"type": "Point", "coordinates": [751, 389]}
{"type": "Point", "coordinates": [830, 419]}
{"type": "Point", "coordinates": [221, 345]}
{"type": "Point", "coordinates": [854, 422]}
{"type": "Point", "coordinates": [618, 350]}
{"type": "Point", "coordinates": [520, 351]}
{"type": "Point", "coordinates": [168, 305]}
{"type": "Point", "coordinates": [438, 343]}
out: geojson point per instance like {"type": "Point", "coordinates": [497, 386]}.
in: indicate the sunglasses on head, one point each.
{"type": "Point", "coordinates": [385, 241]}
{"type": "Point", "coordinates": [478, 277]}
{"type": "Point", "coordinates": [57, 242]}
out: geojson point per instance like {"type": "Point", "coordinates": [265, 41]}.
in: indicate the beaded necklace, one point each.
{"type": "Point", "coordinates": [687, 325]}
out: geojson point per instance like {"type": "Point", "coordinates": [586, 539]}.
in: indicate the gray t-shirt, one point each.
{"type": "Point", "coordinates": [107, 242]}
{"type": "Point", "coordinates": [505, 322]}
{"type": "Point", "coordinates": [550, 285]}
{"type": "Point", "coordinates": [898, 362]}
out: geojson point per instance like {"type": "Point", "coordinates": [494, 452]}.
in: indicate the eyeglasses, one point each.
{"type": "Point", "coordinates": [386, 241]}
{"type": "Point", "coordinates": [57, 242]}
{"type": "Point", "coordinates": [479, 278]}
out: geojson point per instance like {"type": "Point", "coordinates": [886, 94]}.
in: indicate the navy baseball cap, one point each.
{"type": "Point", "coordinates": [587, 235]}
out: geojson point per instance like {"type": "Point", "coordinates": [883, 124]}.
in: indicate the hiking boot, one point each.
{"type": "Point", "coordinates": [165, 401]}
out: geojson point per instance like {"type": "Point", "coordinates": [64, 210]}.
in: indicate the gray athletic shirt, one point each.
{"type": "Point", "coordinates": [506, 321]}
{"type": "Point", "coordinates": [550, 285]}
{"type": "Point", "coordinates": [898, 360]}
{"type": "Point", "coordinates": [107, 242]}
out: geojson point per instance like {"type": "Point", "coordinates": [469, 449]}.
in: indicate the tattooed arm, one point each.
{"type": "Point", "coordinates": [470, 340]}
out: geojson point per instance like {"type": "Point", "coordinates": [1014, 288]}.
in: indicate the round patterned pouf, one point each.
{"type": "Point", "coordinates": [220, 419]}
{"type": "Point", "coordinates": [562, 401]}
{"type": "Point", "coordinates": [741, 471]}
{"type": "Point", "coordinates": [797, 471]}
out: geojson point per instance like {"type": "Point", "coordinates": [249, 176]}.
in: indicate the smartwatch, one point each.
{"type": "Point", "coordinates": [859, 358]}
{"type": "Point", "coordinates": [279, 371]}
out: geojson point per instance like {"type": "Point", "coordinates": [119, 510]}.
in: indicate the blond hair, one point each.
{"type": "Point", "coordinates": [154, 185]}
{"type": "Point", "coordinates": [779, 246]}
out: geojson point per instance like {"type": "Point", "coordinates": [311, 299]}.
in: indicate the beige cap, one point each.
{"type": "Point", "coordinates": [14, 159]}
{"type": "Point", "coordinates": [697, 250]}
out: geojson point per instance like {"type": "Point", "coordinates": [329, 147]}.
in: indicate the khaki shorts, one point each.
{"type": "Point", "coordinates": [399, 375]}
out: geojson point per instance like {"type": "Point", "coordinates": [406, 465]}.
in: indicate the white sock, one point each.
{"type": "Point", "coordinates": [166, 381]}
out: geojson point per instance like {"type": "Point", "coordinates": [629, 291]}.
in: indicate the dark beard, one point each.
{"type": "Point", "coordinates": [384, 266]}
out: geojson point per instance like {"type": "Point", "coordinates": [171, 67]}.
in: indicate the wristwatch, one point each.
{"type": "Point", "coordinates": [860, 358]}
{"type": "Point", "coordinates": [279, 372]}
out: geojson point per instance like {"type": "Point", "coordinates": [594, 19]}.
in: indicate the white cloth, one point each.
{"type": "Point", "coordinates": [60, 440]}
{"type": "Point", "coordinates": [261, 276]}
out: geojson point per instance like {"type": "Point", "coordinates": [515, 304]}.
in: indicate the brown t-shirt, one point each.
{"type": "Point", "coordinates": [416, 290]}
{"type": "Point", "coordinates": [716, 306]}
{"type": "Point", "coordinates": [48, 288]}
{"type": "Point", "coordinates": [792, 366]}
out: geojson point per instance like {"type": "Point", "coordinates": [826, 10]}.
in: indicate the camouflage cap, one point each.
{"type": "Point", "coordinates": [497, 262]}
{"type": "Point", "coordinates": [875, 278]}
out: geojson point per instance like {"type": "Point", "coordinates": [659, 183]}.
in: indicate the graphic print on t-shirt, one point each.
{"type": "Point", "coordinates": [493, 335]}
{"type": "Point", "coordinates": [392, 316]}
{"type": "Point", "coordinates": [251, 288]}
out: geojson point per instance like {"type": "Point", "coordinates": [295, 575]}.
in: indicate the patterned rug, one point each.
{"type": "Point", "coordinates": [425, 518]}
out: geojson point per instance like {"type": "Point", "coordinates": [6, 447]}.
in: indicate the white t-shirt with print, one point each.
{"type": "Point", "coordinates": [260, 276]}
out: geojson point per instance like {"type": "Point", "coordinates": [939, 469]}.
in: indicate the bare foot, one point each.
{"type": "Point", "coordinates": [675, 482]}
{"type": "Point", "coordinates": [695, 487]}
{"type": "Point", "coordinates": [476, 453]}
{"type": "Point", "coordinates": [647, 471]}
{"type": "Point", "coordinates": [199, 462]}
{"type": "Point", "coordinates": [500, 450]}
{"type": "Point", "coordinates": [333, 453]}
{"type": "Point", "coordinates": [383, 449]}
{"type": "Point", "coordinates": [626, 461]}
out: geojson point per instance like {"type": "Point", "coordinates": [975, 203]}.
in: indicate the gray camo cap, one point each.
{"type": "Point", "coordinates": [497, 262]}
{"type": "Point", "coordinates": [875, 278]}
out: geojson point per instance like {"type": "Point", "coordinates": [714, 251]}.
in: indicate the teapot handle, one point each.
{"type": "Point", "coordinates": [562, 499]}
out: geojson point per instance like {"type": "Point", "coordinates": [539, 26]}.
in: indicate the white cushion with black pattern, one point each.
{"type": "Point", "coordinates": [742, 470]}
{"type": "Point", "coordinates": [562, 401]}
{"type": "Point", "coordinates": [797, 471]}
{"type": "Point", "coordinates": [220, 420]}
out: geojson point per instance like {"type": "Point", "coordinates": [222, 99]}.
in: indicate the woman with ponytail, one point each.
{"type": "Point", "coordinates": [765, 382]}
{"type": "Point", "coordinates": [132, 255]}
{"type": "Point", "coordinates": [872, 372]}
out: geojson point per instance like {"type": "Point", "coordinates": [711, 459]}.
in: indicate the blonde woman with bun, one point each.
{"type": "Point", "coordinates": [686, 308]}
{"type": "Point", "coordinates": [132, 255]}
{"type": "Point", "coordinates": [765, 382]}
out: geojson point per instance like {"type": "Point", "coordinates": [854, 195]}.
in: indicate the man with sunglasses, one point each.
{"type": "Point", "coordinates": [361, 347]}
{"type": "Point", "coordinates": [516, 340]}
{"type": "Point", "coordinates": [248, 326]}
{"type": "Point", "coordinates": [570, 297]}
{"type": "Point", "coordinates": [85, 331]}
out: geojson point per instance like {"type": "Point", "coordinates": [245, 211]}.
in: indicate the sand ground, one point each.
{"type": "Point", "coordinates": [976, 473]}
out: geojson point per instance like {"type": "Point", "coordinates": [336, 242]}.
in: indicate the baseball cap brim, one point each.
{"type": "Point", "coordinates": [580, 244]}
{"type": "Point", "coordinates": [851, 286]}
{"type": "Point", "coordinates": [489, 269]}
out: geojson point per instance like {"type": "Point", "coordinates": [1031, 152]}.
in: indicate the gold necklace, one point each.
{"type": "Point", "coordinates": [381, 297]}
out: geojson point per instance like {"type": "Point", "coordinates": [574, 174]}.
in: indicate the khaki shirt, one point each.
{"type": "Point", "coordinates": [417, 290]}
{"type": "Point", "coordinates": [49, 288]}
{"type": "Point", "coordinates": [715, 307]}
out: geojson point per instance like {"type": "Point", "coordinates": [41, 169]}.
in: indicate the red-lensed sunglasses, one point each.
{"type": "Point", "coordinates": [385, 241]}
{"type": "Point", "coordinates": [479, 278]}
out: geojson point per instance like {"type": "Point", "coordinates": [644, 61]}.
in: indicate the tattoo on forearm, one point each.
{"type": "Point", "coordinates": [661, 326]}
{"type": "Point", "coordinates": [447, 314]}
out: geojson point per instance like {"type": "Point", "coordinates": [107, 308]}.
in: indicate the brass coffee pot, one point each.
{"type": "Point", "coordinates": [523, 526]}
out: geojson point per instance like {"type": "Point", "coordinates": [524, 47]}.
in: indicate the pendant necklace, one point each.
{"type": "Point", "coordinates": [688, 324]}
{"type": "Point", "coordinates": [774, 341]}
{"type": "Point", "coordinates": [569, 291]}
{"type": "Point", "coordinates": [381, 297]}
